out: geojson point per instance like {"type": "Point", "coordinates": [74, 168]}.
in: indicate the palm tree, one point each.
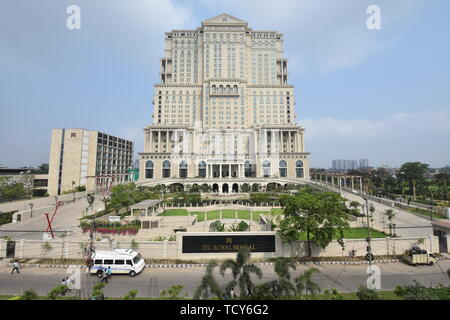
{"type": "Point", "coordinates": [305, 283]}
{"type": "Point", "coordinates": [209, 284]}
{"type": "Point", "coordinates": [281, 268]}
{"type": "Point", "coordinates": [241, 270]}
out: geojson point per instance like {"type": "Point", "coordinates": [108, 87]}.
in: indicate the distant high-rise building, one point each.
{"type": "Point", "coordinates": [363, 163]}
{"type": "Point", "coordinates": [344, 165]}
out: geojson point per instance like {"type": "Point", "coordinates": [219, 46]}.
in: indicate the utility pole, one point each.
{"type": "Point", "coordinates": [90, 255]}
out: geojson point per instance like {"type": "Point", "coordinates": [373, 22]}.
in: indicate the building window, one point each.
{"type": "Point", "coordinates": [202, 169]}
{"type": "Point", "coordinates": [149, 169]}
{"type": "Point", "coordinates": [283, 169]}
{"type": "Point", "coordinates": [299, 169]}
{"type": "Point", "coordinates": [166, 169]}
{"type": "Point", "coordinates": [266, 169]}
{"type": "Point", "coordinates": [183, 169]}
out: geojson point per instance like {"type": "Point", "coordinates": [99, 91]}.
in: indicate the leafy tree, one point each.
{"type": "Point", "coordinates": [209, 284]}
{"type": "Point", "coordinates": [305, 283]}
{"type": "Point", "coordinates": [97, 291]}
{"type": "Point", "coordinates": [241, 269]}
{"type": "Point", "coordinates": [390, 214]}
{"type": "Point", "coordinates": [281, 268]}
{"type": "Point", "coordinates": [11, 189]}
{"type": "Point", "coordinates": [413, 172]}
{"type": "Point", "coordinates": [322, 215]}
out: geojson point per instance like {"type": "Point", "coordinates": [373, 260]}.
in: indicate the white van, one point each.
{"type": "Point", "coordinates": [121, 261]}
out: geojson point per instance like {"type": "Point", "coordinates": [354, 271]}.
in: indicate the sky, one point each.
{"type": "Point", "coordinates": [382, 95]}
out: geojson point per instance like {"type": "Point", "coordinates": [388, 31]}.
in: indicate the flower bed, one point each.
{"type": "Point", "coordinates": [130, 230]}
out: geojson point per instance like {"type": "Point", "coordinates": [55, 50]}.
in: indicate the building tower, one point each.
{"type": "Point", "coordinates": [223, 112]}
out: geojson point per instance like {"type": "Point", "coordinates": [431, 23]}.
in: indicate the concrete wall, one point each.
{"type": "Point", "coordinates": [71, 248]}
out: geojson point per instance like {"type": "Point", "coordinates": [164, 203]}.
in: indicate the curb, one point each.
{"type": "Point", "coordinates": [204, 264]}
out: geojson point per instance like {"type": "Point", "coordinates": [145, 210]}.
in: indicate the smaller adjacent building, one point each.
{"type": "Point", "coordinates": [80, 157]}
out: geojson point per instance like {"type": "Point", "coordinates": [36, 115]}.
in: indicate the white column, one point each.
{"type": "Point", "coordinates": [220, 171]}
{"type": "Point", "coordinates": [289, 142]}
{"type": "Point", "coordinates": [159, 141]}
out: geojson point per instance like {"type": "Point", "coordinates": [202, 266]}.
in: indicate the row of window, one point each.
{"type": "Point", "coordinates": [183, 169]}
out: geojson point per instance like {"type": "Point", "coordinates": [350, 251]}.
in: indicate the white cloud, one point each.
{"type": "Point", "coordinates": [422, 136]}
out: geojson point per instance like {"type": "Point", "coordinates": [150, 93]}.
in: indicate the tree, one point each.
{"type": "Point", "coordinates": [321, 215]}
{"type": "Point", "coordinates": [90, 199]}
{"type": "Point", "coordinates": [209, 284]}
{"type": "Point", "coordinates": [123, 195]}
{"type": "Point", "coordinates": [305, 283]}
{"type": "Point", "coordinates": [281, 268]}
{"type": "Point", "coordinates": [11, 189]}
{"type": "Point", "coordinates": [390, 214]}
{"type": "Point", "coordinates": [413, 172]}
{"type": "Point", "coordinates": [241, 269]}
{"type": "Point", "coordinates": [57, 291]}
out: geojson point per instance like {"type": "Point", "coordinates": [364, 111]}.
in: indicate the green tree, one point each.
{"type": "Point", "coordinates": [305, 283]}
{"type": "Point", "coordinates": [11, 189]}
{"type": "Point", "coordinates": [413, 172]}
{"type": "Point", "coordinates": [209, 284]}
{"type": "Point", "coordinates": [321, 215]}
{"type": "Point", "coordinates": [281, 268]}
{"type": "Point", "coordinates": [390, 214]}
{"type": "Point", "coordinates": [241, 269]}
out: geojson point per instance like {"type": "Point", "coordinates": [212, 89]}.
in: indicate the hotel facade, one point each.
{"type": "Point", "coordinates": [224, 111]}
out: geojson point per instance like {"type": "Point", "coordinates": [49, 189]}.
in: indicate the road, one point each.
{"type": "Point", "coordinates": [345, 278]}
{"type": "Point", "coordinates": [67, 217]}
{"type": "Point", "coordinates": [407, 224]}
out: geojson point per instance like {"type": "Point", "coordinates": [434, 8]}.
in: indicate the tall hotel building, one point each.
{"type": "Point", "coordinates": [80, 157]}
{"type": "Point", "coordinates": [224, 111]}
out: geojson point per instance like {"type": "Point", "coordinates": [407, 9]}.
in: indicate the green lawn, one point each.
{"type": "Point", "coordinates": [354, 233]}
{"type": "Point", "coordinates": [215, 214]}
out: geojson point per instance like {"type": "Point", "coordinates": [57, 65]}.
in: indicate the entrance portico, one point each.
{"type": "Point", "coordinates": [225, 170]}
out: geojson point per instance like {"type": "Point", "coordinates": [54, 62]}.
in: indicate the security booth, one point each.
{"type": "Point", "coordinates": [441, 229]}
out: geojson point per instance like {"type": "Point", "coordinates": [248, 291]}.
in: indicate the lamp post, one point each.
{"type": "Point", "coordinates": [31, 209]}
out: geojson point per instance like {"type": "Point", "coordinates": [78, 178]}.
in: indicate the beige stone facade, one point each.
{"type": "Point", "coordinates": [80, 157]}
{"type": "Point", "coordinates": [223, 109]}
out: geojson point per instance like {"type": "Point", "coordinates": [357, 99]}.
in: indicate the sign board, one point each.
{"type": "Point", "coordinates": [228, 243]}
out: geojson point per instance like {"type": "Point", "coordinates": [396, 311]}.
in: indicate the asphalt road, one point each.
{"type": "Point", "coordinates": [407, 224]}
{"type": "Point", "coordinates": [345, 278]}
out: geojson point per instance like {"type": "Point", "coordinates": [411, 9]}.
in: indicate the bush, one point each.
{"type": "Point", "coordinates": [172, 293]}
{"type": "Point", "coordinates": [416, 292]}
{"type": "Point", "coordinates": [29, 295]}
{"type": "Point", "coordinates": [58, 291]}
{"type": "Point", "coordinates": [217, 226]}
{"type": "Point", "coordinates": [131, 295]}
{"type": "Point", "coordinates": [365, 293]}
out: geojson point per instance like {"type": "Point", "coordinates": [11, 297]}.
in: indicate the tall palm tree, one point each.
{"type": "Point", "coordinates": [241, 270]}
{"type": "Point", "coordinates": [281, 268]}
{"type": "Point", "coordinates": [305, 283]}
{"type": "Point", "coordinates": [209, 284]}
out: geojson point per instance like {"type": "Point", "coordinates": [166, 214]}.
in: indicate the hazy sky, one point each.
{"type": "Point", "coordinates": [382, 94]}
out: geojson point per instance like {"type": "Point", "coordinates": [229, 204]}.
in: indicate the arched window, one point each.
{"type": "Point", "coordinates": [202, 169]}
{"type": "Point", "coordinates": [228, 89]}
{"type": "Point", "coordinates": [283, 169]}
{"type": "Point", "coordinates": [266, 168]}
{"type": "Point", "coordinates": [235, 89]}
{"type": "Point", "coordinates": [166, 169]}
{"type": "Point", "coordinates": [183, 169]}
{"type": "Point", "coordinates": [299, 169]}
{"type": "Point", "coordinates": [214, 89]}
{"type": "Point", "coordinates": [149, 169]}
{"type": "Point", "coordinates": [247, 169]}
{"type": "Point", "coordinates": [221, 89]}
